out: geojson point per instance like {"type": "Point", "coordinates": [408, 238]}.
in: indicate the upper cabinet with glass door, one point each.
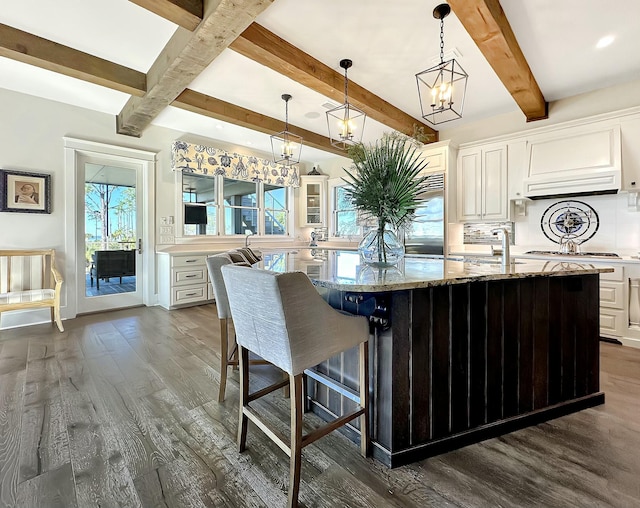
{"type": "Point", "coordinates": [313, 200]}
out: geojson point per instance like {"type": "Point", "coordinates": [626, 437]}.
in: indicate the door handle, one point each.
{"type": "Point", "coordinates": [139, 245]}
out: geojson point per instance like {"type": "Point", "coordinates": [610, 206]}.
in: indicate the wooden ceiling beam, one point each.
{"type": "Point", "coordinates": [185, 13]}
{"type": "Point", "coordinates": [266, 48]}
{"type": "Point", "coordinates": [201, 104]}
{"type": "Point", "coordinates": [56, 57]}
{"type": "Point", "coordinates": [184, 57]}
{"type": "Point", "coordinates": [46, 54]}
{"type": "Point", "coordinates": [488, 26]}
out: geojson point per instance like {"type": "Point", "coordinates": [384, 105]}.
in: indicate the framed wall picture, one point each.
{"type": "Point", "coordinates": [24, 192]}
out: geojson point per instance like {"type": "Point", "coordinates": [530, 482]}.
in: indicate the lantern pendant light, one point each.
{"type": "Point", "coordinates": [345, 122]}
{"type": "Point", "coordinates": [442, 88]}
{"type": "Point", "coordinates": [285, 145]}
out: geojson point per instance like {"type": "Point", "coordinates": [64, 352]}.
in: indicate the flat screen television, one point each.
{"type": "Point", "coordinates": [195, 214]}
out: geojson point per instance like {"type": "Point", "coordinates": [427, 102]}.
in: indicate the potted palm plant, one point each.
{"type": "Point", "coordinates": [385, 183]}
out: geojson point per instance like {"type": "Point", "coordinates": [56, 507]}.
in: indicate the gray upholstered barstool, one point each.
{"type": "Point", "coordinates": [283, 319]}
{"type": "Point", "coordinates": [227, 354]}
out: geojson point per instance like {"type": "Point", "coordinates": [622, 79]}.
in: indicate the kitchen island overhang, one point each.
{"type": "Point", "coordinates": [461, 352]}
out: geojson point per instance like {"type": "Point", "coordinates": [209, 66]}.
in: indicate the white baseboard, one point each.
{"type": "Point", "coordinates": [630, 342]}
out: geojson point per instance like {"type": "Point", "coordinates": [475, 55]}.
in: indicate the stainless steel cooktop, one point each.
{"type": "Point", "coordinates": [576, 254]}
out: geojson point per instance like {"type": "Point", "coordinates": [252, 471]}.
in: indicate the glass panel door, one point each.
{"type": "Point", "coordinates": [109, 221]}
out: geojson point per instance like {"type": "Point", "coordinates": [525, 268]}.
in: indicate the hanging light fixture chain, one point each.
{"type": "Point", "coordinates": [442, 40]}
{"type": "Point", "coordinates": [286, 115]}
{"type": "Point", "coordinates": [346, 85]}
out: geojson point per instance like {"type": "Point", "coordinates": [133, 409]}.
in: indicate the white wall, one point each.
{"type": "Point", "coordinates": [31, 132]}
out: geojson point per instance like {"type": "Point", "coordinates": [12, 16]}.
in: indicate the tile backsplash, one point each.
{"type": "Point", "coordinates": [480, 233]}
{"type": "Point", "coordinates": [618, 229]}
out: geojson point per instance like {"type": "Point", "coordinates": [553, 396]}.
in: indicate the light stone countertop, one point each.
{"type": "Point", "coordinates": [342, 270]}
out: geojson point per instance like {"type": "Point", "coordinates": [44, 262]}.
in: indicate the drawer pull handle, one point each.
{"type": "Point", "coordinates": [190, 276]}
{"type": "Point", "coordinates": [190, 260]}
{"type": "Point", "coordinates": [191, 294]}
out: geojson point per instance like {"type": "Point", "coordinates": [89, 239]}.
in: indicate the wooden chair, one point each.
{"type": "Point", "coordinates": [228, 355]}
{"type": "Point", "coordinates": [29, 279]}
{"type": "Point", "coordinates": [282, 318]}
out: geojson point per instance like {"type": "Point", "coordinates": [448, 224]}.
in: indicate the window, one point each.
{"type": "Point", "coordinates": [199, 205]}
{"type": "Point", "coordinates": [215, 205]}
{"type": "Point", "coordinates": [240, 207]}
{"type": "Point", "coordinates": [344, 216]}
{"type": "Point", "coordinates": [276, 211]}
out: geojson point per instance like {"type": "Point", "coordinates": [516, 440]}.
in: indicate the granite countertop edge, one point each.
{"type": "Point", "coordinates": [446, 281]}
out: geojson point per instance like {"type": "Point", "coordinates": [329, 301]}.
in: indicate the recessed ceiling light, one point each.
{"type": "Point", "coordinates": [219, 126]}
{"type": "Point", "coordinates": [605, 41]}
{"type": "Point", "coordinates": [249, 143]}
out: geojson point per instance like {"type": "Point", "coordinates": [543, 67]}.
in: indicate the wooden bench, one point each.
{"type": "Point", "coordinates": [29, 279]}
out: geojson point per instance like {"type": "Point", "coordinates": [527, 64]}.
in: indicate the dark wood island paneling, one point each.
{"type": "Point", "coordinates": [456, 364]}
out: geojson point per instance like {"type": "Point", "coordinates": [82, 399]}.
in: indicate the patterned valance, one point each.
{"type": "Point", "coordinates": [207, 160]}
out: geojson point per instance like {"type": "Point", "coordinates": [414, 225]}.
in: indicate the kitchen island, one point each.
{"type": "Point", "coordinates": [459, 352]}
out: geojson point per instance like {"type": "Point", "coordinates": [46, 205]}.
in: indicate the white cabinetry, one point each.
{"type": "Point", "coordinates": [482, 183]}
{"type": "Point", "coordinates": [619, 304]}
{"type": "Point", "coordinates": [313, 200]}
{"type": "Point", "coordinates": [630, 154]}
{"type": "Point", "coordinates": [441, 158]}
{"type": "Point", "coordinates": [183, 280]}
{"type": "Point", "coordinates": [613, 308]}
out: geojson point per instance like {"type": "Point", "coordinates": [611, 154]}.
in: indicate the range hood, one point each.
{"type": "Point", "coordinates": [573, 162]}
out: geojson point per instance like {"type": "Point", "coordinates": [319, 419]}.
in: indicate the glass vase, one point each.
{"type": "Point", "coordinates": [381, 248]}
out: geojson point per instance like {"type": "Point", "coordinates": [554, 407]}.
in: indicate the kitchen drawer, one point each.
{"type": "Point", "coordinates": [189, 294]}
{"type": "Point", "coordinates": [183, 276]}
{"type": "Point", "coordinates": [617, 274]}
{"type": "Point", "coordinates": [183, 261]}
{"type": "Point", "coordinates": [612, 322]}
{"type": "Point", "coordinates": [612, 294]}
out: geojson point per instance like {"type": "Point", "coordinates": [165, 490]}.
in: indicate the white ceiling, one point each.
{"type": "Point", "coordinates": [389, 42]}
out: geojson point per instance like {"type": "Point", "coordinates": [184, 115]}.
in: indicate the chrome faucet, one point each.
{"type": "Point", "coordinates": [246, 238]}
{"type": "Point", "coordinates": [506, 257]}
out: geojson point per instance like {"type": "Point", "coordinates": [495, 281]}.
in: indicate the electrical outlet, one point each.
{"type": "Point", "coordinates": [164, 220]}
{"type": "Point", "coordinates": [170, 219]}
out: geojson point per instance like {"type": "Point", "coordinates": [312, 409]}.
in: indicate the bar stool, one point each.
{"type": "Point", "coordinates": [227, 358]}
{"type": "Point", "coordinates": [282, 318]}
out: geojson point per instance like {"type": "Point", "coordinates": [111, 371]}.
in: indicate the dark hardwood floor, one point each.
{"type": "Point", "coordinates": [120, 410]}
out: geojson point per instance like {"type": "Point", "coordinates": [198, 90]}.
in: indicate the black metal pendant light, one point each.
{"type": "Point", "coordinates": [286, 146]}
{"type": "Point", "coordinates": [345, 122]}
{"type": "Point", "coordinates": [442, 87]}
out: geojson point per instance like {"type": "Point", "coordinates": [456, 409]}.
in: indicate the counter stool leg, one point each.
{"type": "Point", "coordinates": [224, 355]}
{"type": "Point", "coordinates": [365, 438]}
{"type": "Point", "coordinates": [295, 464]}
{"type": "Point", "coordinates": [243, 355]}
{"type": "Point", "coordinates": [286, 390]}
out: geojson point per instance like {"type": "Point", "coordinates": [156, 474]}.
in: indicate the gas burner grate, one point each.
{"type": "Point", "coordinates": [576, 254]}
